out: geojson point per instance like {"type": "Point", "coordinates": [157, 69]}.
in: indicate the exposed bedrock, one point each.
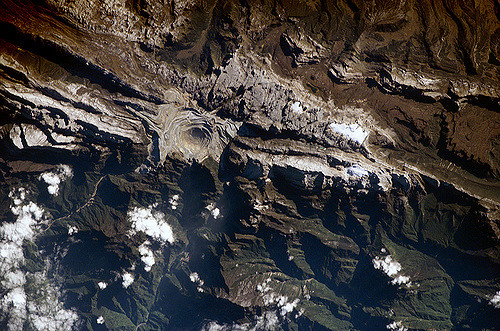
{"type": "Point", "coordinates": [317, 164]}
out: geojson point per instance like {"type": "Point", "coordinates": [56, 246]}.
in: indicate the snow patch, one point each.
{"type": "Point", "coordinates": [356, 171]}
{"type": "Point", "coordinates": [56, 177]}
{"type": "Point", "coordinates": [258, 205]}
{"type": "Point", "coordinates": [297, 107]}
{"type": "Point", "coordinates": [15, 136]}
{"type": "Point", "coordinates": [153, 225]}
{"type": "Point", "coordinates": [352, 131]}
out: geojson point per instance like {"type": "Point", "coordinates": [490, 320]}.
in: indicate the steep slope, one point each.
{"type": "Point", "coordinates": [249, 164]}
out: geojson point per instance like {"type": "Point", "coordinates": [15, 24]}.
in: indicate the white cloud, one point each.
{"type": "Point", "coordinates": [396, 326]}
{"type": "Point", "coordinates": [53, 180]}
{"type": "Point", "coordinates": [195, 278]}
{"type": "Point", "coordinates": [13, 278]}
{"type": "Point", "coordinates": [300, 312]}
{"type": "Point", "coordinates": [264, 286]}
{"type": "Point", "coordinates": [17, 297]}
{"type": "Point", "coordinates": [280, 301]}
{"type": "Point", "coordinates": [213, 210]}
{"type": "Point", "coordinates": [27, 217]}
{"type": "Point", "coordinates": [102, 285]}
{"type": "Point", "coordinates": [392, 268]}
{"type": "Point", "coordinates": [18, 197]}
{"type": "Point", "coordinates": [11, 255]}
{"type": "Point", "coordinates": [12, 236]}
{"type": "Point", "coordinates": [214, 326]}
{"type": "Point", "coordinates": [56, 177]}
{"type": "Point", "coordinates": [288, 307]}
{"type": "Point", "coordinates": [387, 265]}
{"type": "Point", "coordinates": [72, 230]}
{"type": "Point", "coordinates": [351, 131]}
{"type": "Point", "coordinates": [51, 316]}
{"type": "Point", "coordinates": [14, 302]}
{"type": "Point", "coordinates": [174, 201]}
{"type": "Point", "coordinates": [147, 255]}
{"type": "Point", "coordinates": [128, 279]}
{"type": "Point", "coordinates": [495, 300]}
{"type": "Point", "coordinates": [47, 313]}
{"type": "Point", "coordinates": [400, 279]}
{"type": "Point", "coordinates": [269, 320]}
{"type": "Point", "coordinates": [153, 225]}
{"type": "Point", "coordinates": [100, 320]}
{"type": "Point", "coordinates": [23, 228]}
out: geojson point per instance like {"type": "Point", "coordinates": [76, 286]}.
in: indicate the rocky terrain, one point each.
{"type": "Point", "coordinates": [249, 165]}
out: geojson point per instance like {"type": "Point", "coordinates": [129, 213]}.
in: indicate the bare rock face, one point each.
{"type": "Point", "coordinates": [249, 164]}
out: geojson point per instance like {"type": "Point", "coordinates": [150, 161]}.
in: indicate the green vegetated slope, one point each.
{"type": "Point", "coordinates": [313, 250]}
